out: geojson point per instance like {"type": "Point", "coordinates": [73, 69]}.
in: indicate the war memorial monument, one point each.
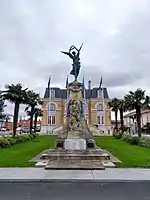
{"type": "Point", "coordinates": [75, 146]}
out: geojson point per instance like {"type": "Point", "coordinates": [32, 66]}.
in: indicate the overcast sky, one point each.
{"type": "Point", "coordinates": [115, 33]}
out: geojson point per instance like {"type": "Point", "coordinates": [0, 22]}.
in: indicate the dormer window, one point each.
{"type": "Point", "coordinates": [52, 94]}
{"type": "Point", "coordinates": [99, 93]}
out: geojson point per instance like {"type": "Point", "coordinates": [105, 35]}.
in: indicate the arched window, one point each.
{"type": "Point", "coordinates": [52, 107]}
{"type": "Point", "coordinates": [99, 107]}
{"type": "Point", "coordinates": [51, 114]}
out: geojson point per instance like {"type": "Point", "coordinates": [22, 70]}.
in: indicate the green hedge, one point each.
{"type": "Point", "coordinates": [9, 141]}
{"type": "Point", "coordinates": [143, 141]}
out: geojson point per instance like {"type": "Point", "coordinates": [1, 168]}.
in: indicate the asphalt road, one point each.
{"type": "Point", "coordinates": [75, 190]}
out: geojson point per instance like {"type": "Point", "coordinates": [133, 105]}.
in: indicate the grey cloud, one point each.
{"type": "Point", "coordinates": [115, 36]}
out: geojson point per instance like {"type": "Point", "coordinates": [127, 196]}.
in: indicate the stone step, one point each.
{"type": "Point", "coordinates": [106, 164]}
{"type": "Point", "coordinates": [86, 151]}
{"type": "Point", "coordinates": [75, 164]}
{"type": "Point", "coordinates": [75, 157]}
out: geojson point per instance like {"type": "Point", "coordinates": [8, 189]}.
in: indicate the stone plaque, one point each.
{"type": "Point", "coordinates": [75, 144]}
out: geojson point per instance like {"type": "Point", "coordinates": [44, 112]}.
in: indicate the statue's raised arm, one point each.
{"type": "Point", "coordinates": [67, 53]}
{"type": "Point", "coordinates": [78, 50]}
{"type": "Point", "coordinates": [81, 47]}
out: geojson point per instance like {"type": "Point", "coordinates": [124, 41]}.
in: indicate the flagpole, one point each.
{"type": "Point", "coordinates": [84, 93]}
{"type": "Point", "coordinates": [83, 90]}
{"type": "Point", "coordinates": [103, 103]}
{"type": "Point", "coordinates": [49, 107]}
{"type": "Point", "coordinates": [83, 85]}
{"type": "Point", "coordinates": [67, 87]}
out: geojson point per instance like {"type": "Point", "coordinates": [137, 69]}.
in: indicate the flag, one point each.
{"type": "Point", "coordinates": [100, 84]}
{"type": "Point", "coordinates": [83, 88]}
{"type": "Point", "coordinates": [49, 82]}
{"type": "Point", "coordinates": [67, 82]}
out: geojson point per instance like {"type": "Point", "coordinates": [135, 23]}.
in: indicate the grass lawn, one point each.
{"type": "Point", "coordinates": [19, 154]}
{"type": "Point", "coordinates": [130, 155]}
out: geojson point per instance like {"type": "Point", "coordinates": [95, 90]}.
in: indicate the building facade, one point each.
{"type": "Point", "coordinates": [130, 120]}
{"type": "Point", "coordinates": [96, 109]}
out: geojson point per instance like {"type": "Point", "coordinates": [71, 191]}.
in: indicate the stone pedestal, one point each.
{"type": "Point", "coordinates": [75, 144]}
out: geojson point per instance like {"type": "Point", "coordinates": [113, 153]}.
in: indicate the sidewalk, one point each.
{"type": "Point", "coordinates": [40, 174]}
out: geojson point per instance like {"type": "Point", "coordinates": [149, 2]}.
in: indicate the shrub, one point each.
{"type": "Point", "coordinates": [31, 136]}
{"type": "Point", "coordinates": [35, 135]}
{"type": "Point", "coordinates": [117, 135]}
{"type": "Point", "coordinates": [131, 139]}
{"type": "Point", "coordinates": [135, 140]}
{"type": "Point", "coordinates": [144, 142]}
{"type": "Point", "coordinates": [4, 142]}
{"type": "Point", "coordinates": [19, 139]}
{"type": "Point", "coordinates": [26, 137]}
{"type": "Point", "coordinates": [9, 141]}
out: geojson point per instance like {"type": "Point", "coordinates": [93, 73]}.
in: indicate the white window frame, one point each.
{"type": "Point", "coordinates": [51, 119]}
{"type": "Point", "coordinates": [101, 107]}
{"type": "Point", "coordinates": [52, 92]}
{"type": "Point", "coordinates": [100, 119]}
{"type": "Point", "coordinates": [99, 94]}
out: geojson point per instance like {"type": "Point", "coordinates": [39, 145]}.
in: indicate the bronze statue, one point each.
{"type": "Point", "coordinates": [74, 55]}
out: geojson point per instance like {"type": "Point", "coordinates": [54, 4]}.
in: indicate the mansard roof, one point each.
{"type": "Point", "coordinates": [62, 93]}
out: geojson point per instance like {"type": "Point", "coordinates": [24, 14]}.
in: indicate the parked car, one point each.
{"type": "Point", "coordinates": [3, 129]}
{"type": "Point", "coordinates": [24, 129]}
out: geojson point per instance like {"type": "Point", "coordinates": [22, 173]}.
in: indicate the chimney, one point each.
{"type": "Point", "coordinates": [89, 85]}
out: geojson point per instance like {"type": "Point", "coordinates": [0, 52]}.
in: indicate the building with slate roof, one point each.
{"type": "Point", "coordinates": [96, 109]}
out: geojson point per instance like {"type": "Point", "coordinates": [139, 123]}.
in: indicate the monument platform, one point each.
{"type": "Point", "coordinates": [75, 159]}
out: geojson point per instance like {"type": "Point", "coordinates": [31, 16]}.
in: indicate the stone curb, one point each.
{"type": "Point", "coordinates": [101, 181]}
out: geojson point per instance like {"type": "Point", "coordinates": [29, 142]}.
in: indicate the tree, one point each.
{"type": "Point", "coordinates": [136, 101]}
{"type": "Point", "coordinates": [114, 104]}
{"type": "Point", "coordinates": [2, 106]}
{"type": "Point", "coordinates": [122, 108]}
{"type": "Point", "coordinates": [33, 99]}
{"type": "Point", "coordinates": [37, 113]}
{"type": "Point", "coordinates": [17, 95]}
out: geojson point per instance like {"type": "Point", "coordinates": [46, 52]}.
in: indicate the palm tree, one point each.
{"type": "Point", "coordinates": [17, 95]}
{"type": "Point", "coordinates": [122, 108]}
{"type": "Point", "coordinates": [136, 101]}
{"type": "Point", "coordinates": [37, 113]}
{"type": "Point", "coordinates": [33, 100]}
{"type": "Point", "coordinates": [2, 106]}
{"type": "Point", "coordinates": [114, 104]}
